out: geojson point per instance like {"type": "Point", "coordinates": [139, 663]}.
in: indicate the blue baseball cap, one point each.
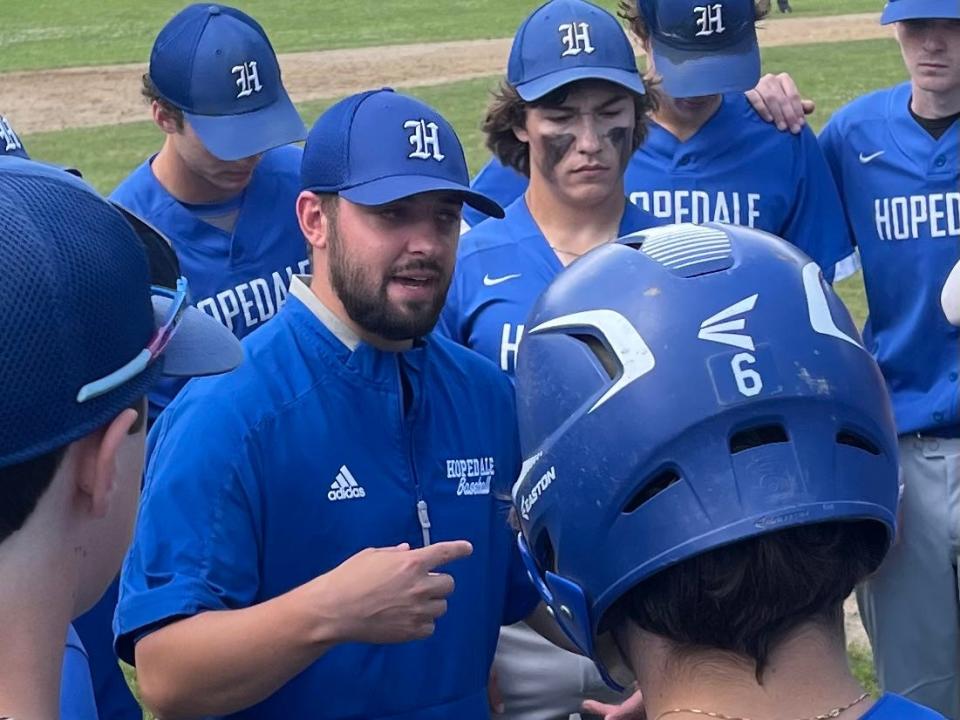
{"type": "Point", "coordinates": [563, 41]}
{"type": "Point", "coordinates": [83, 332]}
{"type": "Point", "coordinates": [379, 146]}
{"type": "Point", "coordinates": [703, 48]}
{"type": "Point", "coordinates": [898, 10]}
{"type": "Point", "coordinates": [216, 64]}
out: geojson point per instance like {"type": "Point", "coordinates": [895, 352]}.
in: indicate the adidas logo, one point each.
{"type": "Point", "coordinates": [345, 487]}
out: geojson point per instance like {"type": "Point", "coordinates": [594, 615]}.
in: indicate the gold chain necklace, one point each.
{"type": "Point", "coordinates": [720, 716]}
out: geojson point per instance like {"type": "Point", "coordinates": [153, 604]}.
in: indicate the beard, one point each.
{"type": "Point", "coordinates": [367, 302]}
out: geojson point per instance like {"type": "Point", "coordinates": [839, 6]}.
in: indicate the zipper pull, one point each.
{"type": "Point", "coordinates": [424, 517]}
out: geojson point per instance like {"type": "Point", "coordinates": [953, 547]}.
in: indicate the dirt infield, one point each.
{"type": "Point", "coordinates": [46, 100]}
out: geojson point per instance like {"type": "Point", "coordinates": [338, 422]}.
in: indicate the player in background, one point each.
{"type": "Point", "coordinates": [76, 312]}
{"type": "Point", "coordinates": [710, 470]}
{"type": "Point", "coordinates": [894, 154]}
{"type": "Point", "coordinates": [223, 185]}
{"type": "Point", "coordinates": [709, 155]}
{"type": "Point", "coordinates": [350, 427]}
{"type": "Point", "coordinates": [222, 189]}
{"type": "Point", "coordinates": [569, 114]}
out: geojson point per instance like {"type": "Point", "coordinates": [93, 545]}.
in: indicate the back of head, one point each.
{"type": "Point", "coordinates": [710, 449]}
{"type": "Point", "coordinates": [84, 335]}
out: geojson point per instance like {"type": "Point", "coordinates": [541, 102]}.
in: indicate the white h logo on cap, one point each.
{"type": "Point", "coordinates": [709, 19]}
{"type": "Point", "coordinates": [10, 138]}
{"type": "Point", "coordinates": [425, 139]}
{"type": "Point", "coordinates": [248, 79]}
{"type": "Point", "coordinates": [576, 36]}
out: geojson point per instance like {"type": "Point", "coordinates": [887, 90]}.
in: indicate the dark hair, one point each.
{"type": "Point", "coordinates": [747, 597]}
{"type": "Point", "coordinates": [507, 110]}
{"type": "Point", "coordinates": [629, 11]}
{"type": "Point", "coordinates": [22, 485]}
{"type": "Point", "coordinates": [150, 93]}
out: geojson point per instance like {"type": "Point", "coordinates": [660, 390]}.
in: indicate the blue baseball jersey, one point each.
{"type": "Point", "coordinates": [239, 277]}
{"type": "Point", "coordinates": [312, 451]}
{"type": "Point", "coordinates": [901, 195]}
{"type": "Point", "coordinates": [502, 267]}
{"type": "Point", "coordinates": [894, 707]}
{"type": "Point", "coordinates": [736, 169]}
{"type": "Point", "coordinates": [76, 688]}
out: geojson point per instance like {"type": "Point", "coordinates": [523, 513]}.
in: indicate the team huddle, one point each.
{"type": "Point", "coordinates": [590, 432]}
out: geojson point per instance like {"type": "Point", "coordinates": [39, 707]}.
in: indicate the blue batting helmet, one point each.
{"type": "Point", "coordinates": [686, 388]}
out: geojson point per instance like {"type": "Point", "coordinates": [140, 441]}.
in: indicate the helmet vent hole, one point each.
{"type": "Point", "coordinates": [757, 436]}
{"type": "Point", "coordinates": [653, 487]}
{"type": "Point", "coordinates": [603, 354]}
{"type": "Point", "coordinates": [852, 439]}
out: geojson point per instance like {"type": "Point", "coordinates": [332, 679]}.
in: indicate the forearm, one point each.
{"type": "Point", "coordinates": [220, 662]}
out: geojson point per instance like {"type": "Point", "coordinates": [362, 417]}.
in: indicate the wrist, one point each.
{"type": "Point", "coordinates": [317, 614]}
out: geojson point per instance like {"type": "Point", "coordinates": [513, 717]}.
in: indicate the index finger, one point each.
{"type": "Point", "coordinates": [441, 553]}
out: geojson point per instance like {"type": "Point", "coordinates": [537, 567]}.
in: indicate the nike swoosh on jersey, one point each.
{"type": "Point", "coordinates": [867, 158]}
{"type": "Point", "coordinates": [490, 282]}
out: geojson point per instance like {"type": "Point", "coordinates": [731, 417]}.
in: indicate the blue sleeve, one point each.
{"type": "Point", "coordinates": [76, 686]}
{"type": "Point", "coordinates": [196, 544]}
{"type": "Point", "coordinates": [816, 223]}
{"type": "Point", "coordinates": [499, 182]}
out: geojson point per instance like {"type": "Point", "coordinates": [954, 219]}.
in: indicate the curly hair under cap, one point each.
{"type": "Point", "coordinates": [507, 111]}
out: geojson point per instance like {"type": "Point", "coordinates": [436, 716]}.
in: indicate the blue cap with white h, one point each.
{"type": "Point", "coordinates": [379, 146]}
{"type": "Point", "coordinates": [703, 48]}
{"type": "Point", "coordinates": [564, 41]}
{"type": "Point", "coordinates": [83, 332]}
{"type": "Point", "coordinates": [900, 10]}
{"type": "Point", "coordinates": [216, 64]}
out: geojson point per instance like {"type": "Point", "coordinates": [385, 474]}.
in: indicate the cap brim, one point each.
{"type": "Point", "coordinates": [389, 189]}
{"type": "Point", "coordinates": [538, 87]}
{"type": "Point", "coordinates": [234, 137]}
{"type": "Point", "coordinates": [688, 73]}
{"type": "Point", "coordinates": [902, 10]}
{"type": "Point", "coordinates": [200, 345]}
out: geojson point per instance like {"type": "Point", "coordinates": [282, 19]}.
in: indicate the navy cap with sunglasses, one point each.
{"type": "Point", "coordinates": [83, 331]}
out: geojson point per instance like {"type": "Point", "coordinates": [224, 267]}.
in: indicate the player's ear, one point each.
{"type": "Point", "coordinates": [164, 119]}
{"type": "Point", "coordinates": [314, 222]}
{"type": "Point", "coordinates": [96, 463]}
{"type": "Point", "coordinates": [521, 134]}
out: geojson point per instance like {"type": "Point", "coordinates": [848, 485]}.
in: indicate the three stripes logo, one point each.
{"type": "Point", "coordinates": [345, 487]}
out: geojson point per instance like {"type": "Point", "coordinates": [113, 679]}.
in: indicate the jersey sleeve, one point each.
{"type": "Point", "coordinates": [196, 544]}
{"type": "Point", "coordinates": [816, 223]}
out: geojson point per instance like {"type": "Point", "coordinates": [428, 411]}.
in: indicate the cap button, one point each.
{"type": "Point", "coordinates": [214, 9]}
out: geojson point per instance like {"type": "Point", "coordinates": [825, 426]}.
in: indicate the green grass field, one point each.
{"type": "Point", "coordinates": [64, 33]}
